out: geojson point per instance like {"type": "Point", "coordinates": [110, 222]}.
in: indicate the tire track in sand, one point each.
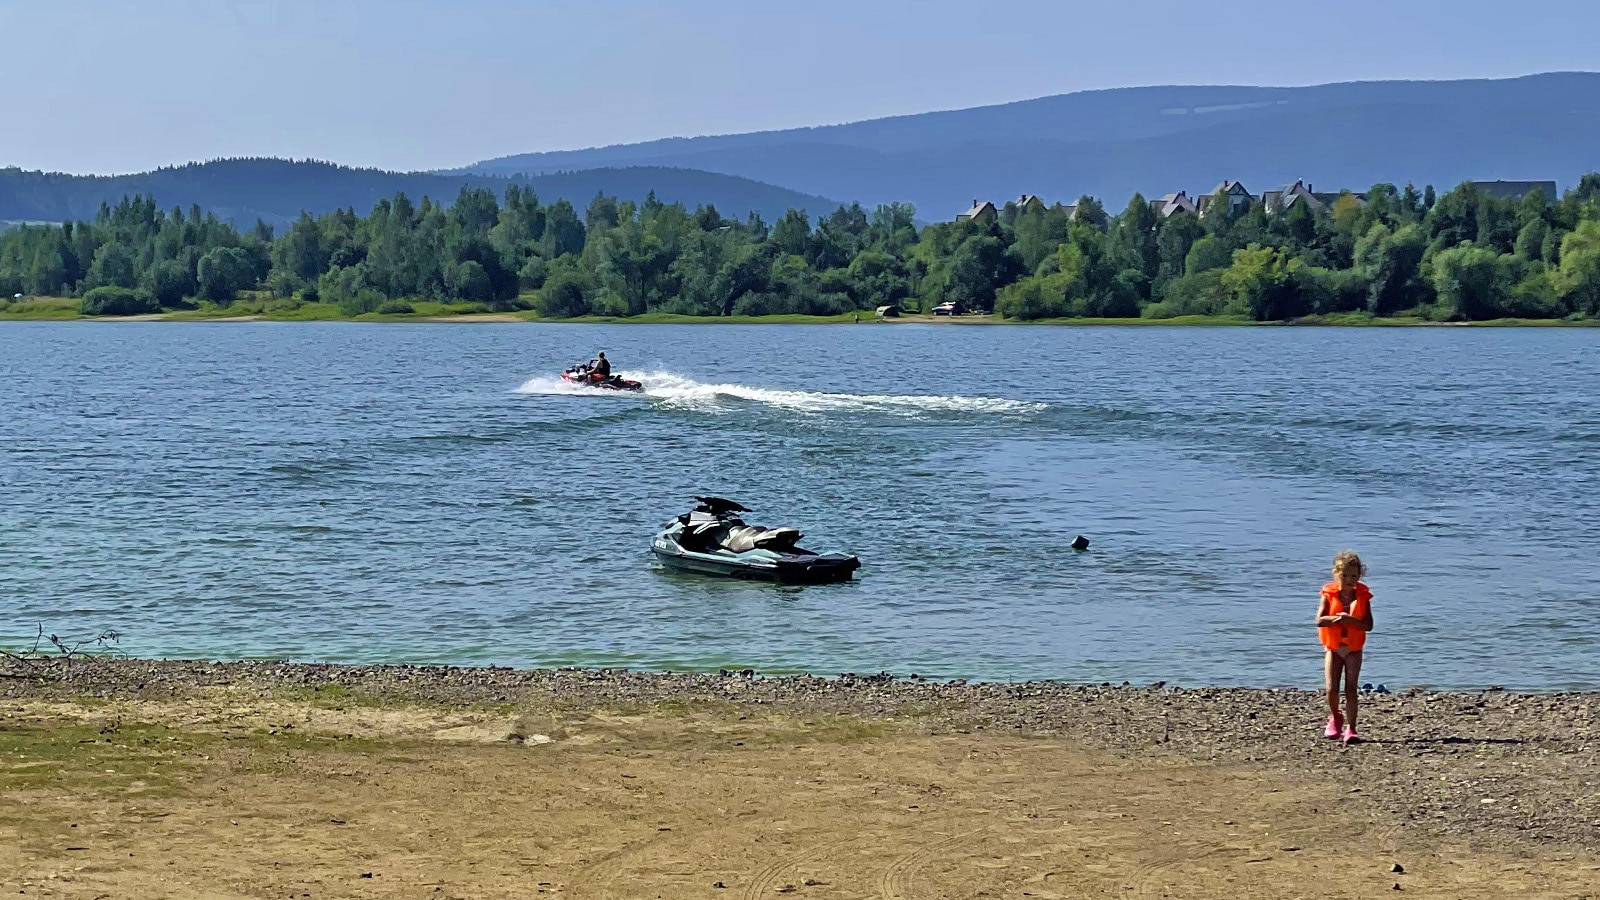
{"type": "Point", "coordinates": [767, 879]}
{"type": "Point", "coordinates": [598, 880]}
{"type": "Point", "coordinates": [895, 884]}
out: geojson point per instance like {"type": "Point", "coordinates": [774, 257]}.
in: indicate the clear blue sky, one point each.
{"type": "Point", "coordinates": [408, 84]}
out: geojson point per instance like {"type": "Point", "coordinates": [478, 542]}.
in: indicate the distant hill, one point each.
{"type": "Point", "coordinates": [276, 190]}
{"type": "Point", "coordinates": [1157, 139]}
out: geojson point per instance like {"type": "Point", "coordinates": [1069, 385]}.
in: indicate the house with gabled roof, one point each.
{"type": "Point", "coordinates": [981, 211]}
{"type": "Point", "coordinates": [1302, 191]}
{"type": "Point", "coordinates": [1239, 198]}
{"type": "Point", "coordinates": [1168, 205]}
{"type": "Point", "coordinates": [1281, 199]}
{"type": "Point", "coordinates": [1029, 203]}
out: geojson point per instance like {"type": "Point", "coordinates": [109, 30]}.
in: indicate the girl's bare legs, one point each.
{"type": "Point", "coordinates": [1352, 687]}
{"type": "Point", "coordinates": [1332, 665]}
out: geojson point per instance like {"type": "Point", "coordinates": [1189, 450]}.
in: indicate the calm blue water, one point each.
{"type": "Point", "coordinates": [429, 493]}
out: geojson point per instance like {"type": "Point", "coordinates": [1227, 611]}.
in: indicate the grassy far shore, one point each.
{"type": "Point", "coordinates": [191, 779]}
{"type": "Point", "coordinates": [66, 309]}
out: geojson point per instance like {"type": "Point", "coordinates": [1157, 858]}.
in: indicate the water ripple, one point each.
{"type": "Point", "coordinates": [423, 494]}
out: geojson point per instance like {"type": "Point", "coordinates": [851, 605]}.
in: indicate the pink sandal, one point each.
{"type": "Point", "coordinates": [1335, 727]}
{"type": "Point", "coordinates": [1350, 736]}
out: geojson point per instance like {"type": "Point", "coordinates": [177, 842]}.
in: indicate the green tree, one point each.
{"type": "Point", "coordinates": [1409, 208]}
{"type": "Point", "coordinates": [1299, 224]}
{"type": "Point", "coordinates": [1578, 279]}
{"type": "Point", "coordinates": [979, 268]}
{"type": "Point", "coordinates": [563, 233]}
{"type": "Point", "coordinates": [1057, 292]}
{"type": "Point", "coordinates": [48, 272]}
{"type": "Point", "coordinates": [468, 281]}
{"type": "Point", "coordinates": [893, 229]}
{"type": "Point", "coordinates": [1205, 254]}
{"type": "Point", "coordinates": [1267, 283]}
{"type": "Point", "coordinates": [1533, 207]}
{"type": "Point", "coordinates": [521, 226]}
{"type": "Point", "coordinates": [1531, 240]}
{"type": "Point", "coordinates": [1454, 218]}
{"type": "Point", "coordinates": [533, 273]}
{"type": "Point", "coordinates": [343, 285]}
{"type": "Point", "coordinates": [1200, 294]}
{"type": "Point", "coordinates": [169, 282]}
{"type": "Point", "coordinates": [116, 301]}
{"type": "Point", "coordinates": [1392, 264]}
{"type": "Point", "coordinates": [301, 256]}
{"type": "Point", "coordinates": [1470, 282]}
{"type": "Point", "coordinates": [876, 278]}
{"type": "Point", "coordinates": [223, 273]}
{"type": "Point", "coordinates": [1175, 238]}
{"type": "Point", "coordinates": [743, 275]}
{"type": "Point", "coordinates": [563, 296]}
{"type": "Point", "coordinates": [112, 267]}
{"type": "Point", "coordinates": [1536, 296]}
{"type": "Point", "coordinates": [792, 235]}
{"type": "Point", "coordinates": [1036, 235]}
{"type": "Point", "coordinates": [1384, 204]}
{"type": "Point", "coordinates": [475, 211]}
{"type": "Point", "coordinates": [1092, 212]}
{"type": "Point", "coordinates": [602, 213]}
{"type": "Point", "coordinates": [1132, 238]}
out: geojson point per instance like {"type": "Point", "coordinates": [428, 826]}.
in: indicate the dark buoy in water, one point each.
{"type": "Point", "coordinates": [1080, 543]}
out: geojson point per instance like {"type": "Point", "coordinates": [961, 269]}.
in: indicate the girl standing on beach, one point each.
{"type": "Point", "coordinates": [1344, 617]}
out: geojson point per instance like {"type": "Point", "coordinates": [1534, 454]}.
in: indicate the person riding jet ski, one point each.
{"type": "Point", "coordinates": [597, 373]}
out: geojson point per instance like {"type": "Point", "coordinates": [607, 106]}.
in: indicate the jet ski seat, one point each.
{"type": "Point", "coordinates": [750, 537]}
{"type": "Point", "coordinates": [706, 536]}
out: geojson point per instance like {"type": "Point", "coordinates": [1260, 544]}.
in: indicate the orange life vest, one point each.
{"type": "Point", "coordinates": [1348, 636]}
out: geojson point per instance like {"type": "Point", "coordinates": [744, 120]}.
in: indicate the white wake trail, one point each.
{"type": "Point", "coordinates": [677, 390]}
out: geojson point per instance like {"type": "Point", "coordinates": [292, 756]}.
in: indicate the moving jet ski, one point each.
{"type": "Point", "coordinates": [586, 375]}
{"type": "Point", "coordinates": [711, 539]}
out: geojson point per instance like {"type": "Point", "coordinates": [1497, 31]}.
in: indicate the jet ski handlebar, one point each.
{"type": "Point", "coordinates": [718, 506]}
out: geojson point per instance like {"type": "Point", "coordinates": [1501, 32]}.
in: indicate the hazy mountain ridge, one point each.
{"type": "Point", "coordinates": [1108, 144]}
{"type": "Point", "coordinates": [1156, 139]}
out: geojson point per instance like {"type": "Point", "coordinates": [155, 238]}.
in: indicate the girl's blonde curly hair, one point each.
{"type": "Point", "coordinates": [1345, 560]}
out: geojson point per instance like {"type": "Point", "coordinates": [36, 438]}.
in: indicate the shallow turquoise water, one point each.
{"type": "Point", "coordinates": [431, 493]}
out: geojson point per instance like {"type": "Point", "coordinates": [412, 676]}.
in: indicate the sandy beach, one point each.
{"type": "Point", "coordinates": [176, 779]}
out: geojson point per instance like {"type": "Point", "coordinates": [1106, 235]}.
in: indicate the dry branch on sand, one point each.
{"type": "Point", "coordinates": [35, 662]}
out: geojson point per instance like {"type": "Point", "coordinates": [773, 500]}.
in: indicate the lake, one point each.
{"type": "Point", "coordinates": [432, 493]}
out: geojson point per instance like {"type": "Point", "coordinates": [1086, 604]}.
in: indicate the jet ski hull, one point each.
{"type": "Point", "coordinates": [711, 539]}
{"type": "Point", "coordinates": [614, 383]}
{"type": "Point", "coordinates": [782, 568]}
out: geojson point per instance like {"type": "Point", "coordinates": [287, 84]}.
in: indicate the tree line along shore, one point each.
{"type": "Point", "coordinates": [1388, 255]}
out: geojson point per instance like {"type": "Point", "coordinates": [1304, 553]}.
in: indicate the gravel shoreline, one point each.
{"type": "Point", "coordinates": [1490, 766]}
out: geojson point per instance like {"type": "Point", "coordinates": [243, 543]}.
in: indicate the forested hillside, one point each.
{"type": "Point", "coordinates": [1464, 255]}
{"type": "Point", "coordinates": [278, 190]}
